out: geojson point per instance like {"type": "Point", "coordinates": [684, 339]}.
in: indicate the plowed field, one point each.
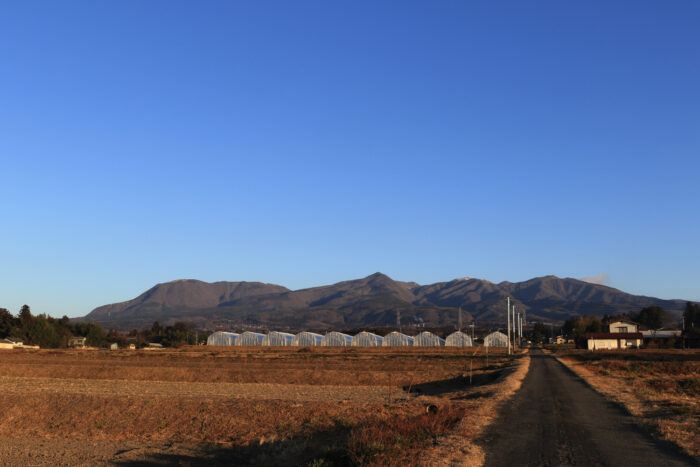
{"type": "Point", "coordinates": [242, 406]}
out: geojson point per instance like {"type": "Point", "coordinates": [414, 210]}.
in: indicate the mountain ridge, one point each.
{"type": "Point", "coordinates": [375, 300]}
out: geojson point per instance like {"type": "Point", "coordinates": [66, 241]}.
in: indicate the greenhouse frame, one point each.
{"type": "Point", "coordinates": [250, 338]}
{"type": "Point", "coordinates": [496, 339]}
{"type": "Point", "coordinates": [336, 339]}
{"type": "Point", "coordinates": [428, 339]}
{"type": "Point", "coordinates": [277, 339]}
{"type": "Point", "coordinates": [367, 339]}
{"type": "Point", "coordinates": [307, 339]}
{"type": "Point", "coordinates": [397, 339]}
{"type": "Point", "coordinates": [459, 339]}
{"type": "Point", "coordinates": [222, 338]}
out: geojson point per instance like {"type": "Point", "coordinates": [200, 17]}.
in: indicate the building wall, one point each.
{"type": "Point", "coordinates": [600, 344]}
{"type": "Point", "coordinates": [597, 344]}
{"type": "Point", "coordinates": [623, 327]}
{"type": "Point", "coordinates": [630, 343]}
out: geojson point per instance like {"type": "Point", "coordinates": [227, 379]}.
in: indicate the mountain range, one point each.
{"type": "Point", "coordinates": [375, 300]}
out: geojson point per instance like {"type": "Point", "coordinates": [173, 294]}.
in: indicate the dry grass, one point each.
{"type": "Point", "coordinates": [661, 387]}
{"type": "Point", "coordinates": [395, 441]}
{"type": "Point", "coordinates": [460, 447]}
{"type": "Point", "coordinates": [338, 406]}
{"type": "Point", "coordinates": [319, 366]}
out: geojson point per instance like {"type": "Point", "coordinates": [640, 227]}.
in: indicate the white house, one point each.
{"type": "Point", "coordinates": [77, 342]}
{"type": "Point", "coordinates": [624, 326]}
{"type": "Point", "coordinates": [614, 340]}
{"type": "Point", "coordinates": [11, 343]}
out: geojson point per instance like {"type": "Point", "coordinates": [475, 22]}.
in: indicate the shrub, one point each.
{"type": "Point", "coordinates": [397, 439]}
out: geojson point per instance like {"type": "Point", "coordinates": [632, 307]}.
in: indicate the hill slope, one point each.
{"type": "Point", "coordinates": [371, 301]}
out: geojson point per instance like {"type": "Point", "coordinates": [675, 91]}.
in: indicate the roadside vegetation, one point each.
{"type": "Point", "coordinates": [661, 387]}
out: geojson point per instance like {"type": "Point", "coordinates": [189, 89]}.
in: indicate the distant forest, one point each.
{"type": "Point", "coordinates": [48, 332]}
{"type": "Point", "coordinates": [55, 333]}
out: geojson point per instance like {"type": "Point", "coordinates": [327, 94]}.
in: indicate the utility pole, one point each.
{"type": "Point", "coordinates": [521, 330]}
{"type": "Point", "coordinates": [683, 333]}
{"type": "Point", "coordinates": [460, 319]}
{"type": "Point", "coordinates": [515, 329]}
{"type": "Point", "coordinates": [508, 320]}
{"type": "Point", "coordinates": [551, 329]}
{"type": "Point", "coordinates": [398, 319]}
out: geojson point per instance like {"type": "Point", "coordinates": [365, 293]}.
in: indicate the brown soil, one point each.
{"type": "Point", "coordinates": [244, 406]}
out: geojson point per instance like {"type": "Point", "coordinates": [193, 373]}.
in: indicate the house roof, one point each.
{"type": "Point", "coordinates": [623, 321]}
{"type": "Point", "coordinates": [614, 335]}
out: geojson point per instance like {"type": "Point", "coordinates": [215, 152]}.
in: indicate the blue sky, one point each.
{"type": "Point", "coordinates": [303, 143]}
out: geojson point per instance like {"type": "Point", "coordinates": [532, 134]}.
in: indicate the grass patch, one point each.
{"type": "Point", "coordinates": [394, 441]}
{"type": "Point", "coordinates": [665, 387]}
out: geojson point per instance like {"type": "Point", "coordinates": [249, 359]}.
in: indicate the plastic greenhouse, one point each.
{"type": "Point", "coordinates": [222, 338]}
{"type": "Point", "coordinates": [367, 339]}
{"type": "Point", "coordinates": [428, 339]}
{"type": "Point", "coordinates": [250, 338]}
{"type": "Point", "coordinates": [275, 338]}
{"type": "Point", "coordinates": [459, 339]}
{"type": "Point", "coordinates": [336, 339]}
{"type": "Point", "coordinates": [307, 339]}
{"type": "Point", "coordinates": [496, 339]}
{"type": "Point", "coordinates": [397, 339]}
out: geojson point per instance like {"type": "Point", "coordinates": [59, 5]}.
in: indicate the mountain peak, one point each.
{"type": "Point", "coordinates": [378, 275]}
{"type": "Point", "coordinates": [370, 301]}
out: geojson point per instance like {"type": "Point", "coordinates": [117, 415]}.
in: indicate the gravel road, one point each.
{"type": "Point", "coordinates": [556, 419]}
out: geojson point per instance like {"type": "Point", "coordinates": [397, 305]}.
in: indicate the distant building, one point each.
{"type": "Point", "coordinates": [11, 343]}
{"type": "Point", "coordinates": [154, 345]}
{"type": "Point", "coordinates": [661, 334]}
{"type": "Point", "coordinates": [624, 326]}
{"type": "Point", "coordinates": [666, 337]}
{"type": "Point", "coordinates": [614, 340]}
{"type": "Point", "coordinates": [114, 346]}
{"type": "Point", "coordinates": [77, 342]}
{"type": "Point", "coordinates": [132, 346]}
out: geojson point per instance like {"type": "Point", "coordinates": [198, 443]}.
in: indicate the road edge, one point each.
{"type": "Point", "coordinates": [458, 450]}
{"type": "Point", "coordinates": [641, 420]}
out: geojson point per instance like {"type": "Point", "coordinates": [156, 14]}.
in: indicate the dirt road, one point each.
{"type": "Point", "coordinates": [556, 419]}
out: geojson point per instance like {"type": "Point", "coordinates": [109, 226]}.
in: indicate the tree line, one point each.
{"type": "Point", "coordinates": [691, 321]}
{"type": "Point", "coordinates": [179, 334]}
{"type": "Point", "coordinates": [46, 331]}
{"type": "Point", "coordinates": [55, 333]}
{"type": "Point", "coordinates": [653, 317]}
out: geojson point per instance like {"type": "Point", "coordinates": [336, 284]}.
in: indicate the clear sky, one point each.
{"type": "Point", "coordinates": [303, 143]}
